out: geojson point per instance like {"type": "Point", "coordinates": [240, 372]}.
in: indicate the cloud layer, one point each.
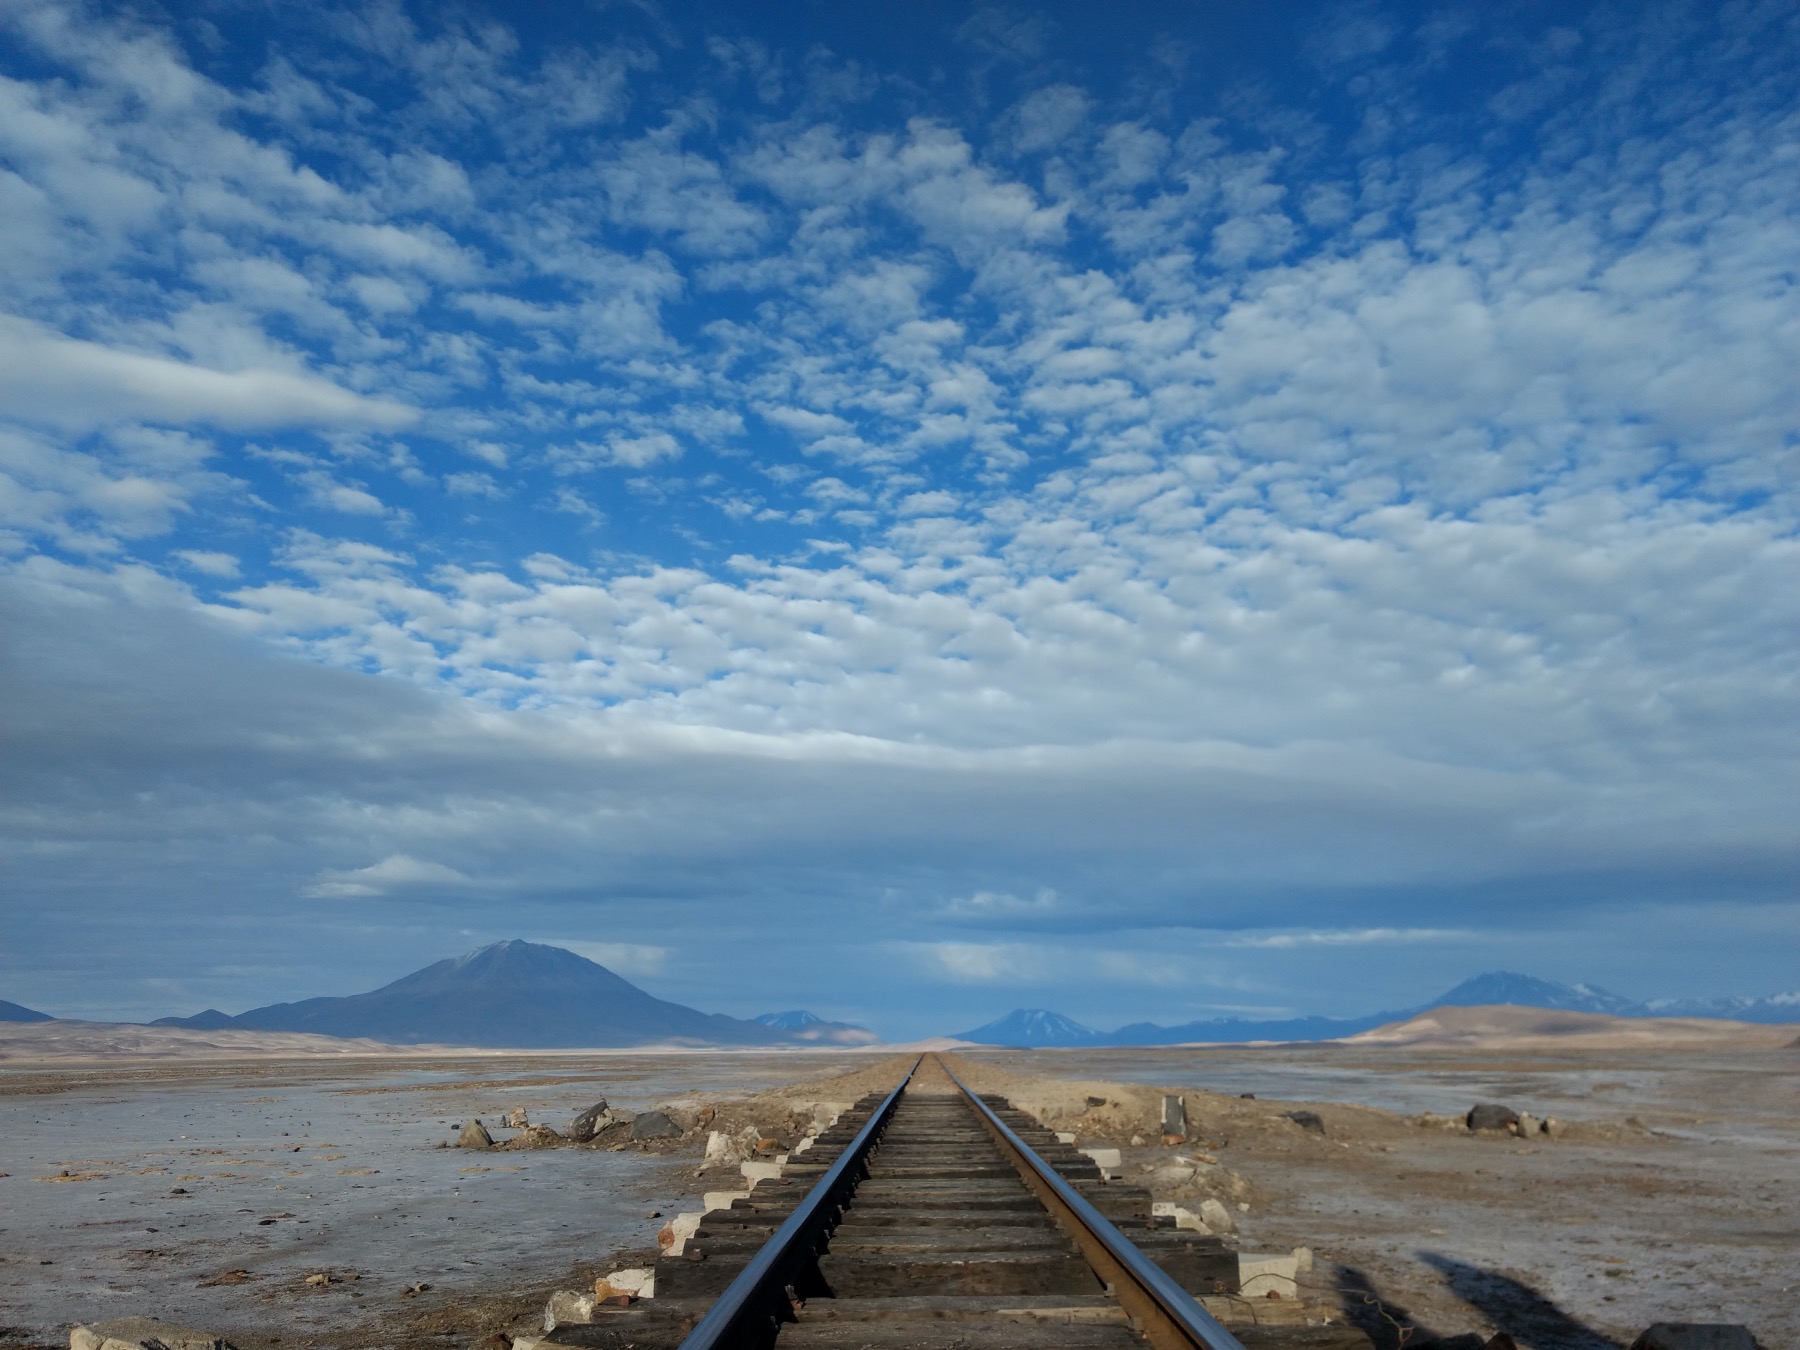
{"type": "Point", "coordinates": [665, 491]}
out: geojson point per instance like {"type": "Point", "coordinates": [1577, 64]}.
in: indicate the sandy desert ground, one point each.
{"type": "Point", "coordinates": [1671, 1196]}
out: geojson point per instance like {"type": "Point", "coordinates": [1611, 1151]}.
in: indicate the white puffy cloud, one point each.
{"type": "Point", "coordinates": [1356, 506]}
{"type": "Point", "coordinates": [46, 377]}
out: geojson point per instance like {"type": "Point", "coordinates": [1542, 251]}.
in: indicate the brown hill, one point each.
{"type": "Point", "coordinates": [1508, 1027]}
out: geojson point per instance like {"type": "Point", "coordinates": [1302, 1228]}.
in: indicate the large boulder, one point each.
{"type": "Point", "coordinates": [654, 1125]}
{"type": "Point", "coordinates": [1491, 1116]}
{"type": "Point", "coordinates": [590, 1122]}
{"type": "Point", "coordinates": [474, 1135]}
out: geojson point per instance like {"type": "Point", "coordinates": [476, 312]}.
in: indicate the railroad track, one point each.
{"type": "Point", "coordinates": [933, 1217]}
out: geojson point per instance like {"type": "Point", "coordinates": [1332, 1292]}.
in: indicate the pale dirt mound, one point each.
{"type": "Point", "coordinates": [1506, 1027]}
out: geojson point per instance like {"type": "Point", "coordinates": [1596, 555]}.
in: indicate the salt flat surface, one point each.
{"type": "Point", "coordinates": [1757, 1095]}
{"type": "Point", "coordinates": [1676, 1196]}
{"type": "Point", "coordinates": [295, 1168]}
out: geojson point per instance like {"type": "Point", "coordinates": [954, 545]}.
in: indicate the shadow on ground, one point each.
{"type": "Point", "coordinates": [1518, 1311]}
{"type": "Point", "coordinates": [1516, 1308]}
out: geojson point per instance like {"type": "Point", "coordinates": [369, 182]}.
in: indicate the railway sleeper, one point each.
{"type": "Point", "coordinates": [938, 1243]}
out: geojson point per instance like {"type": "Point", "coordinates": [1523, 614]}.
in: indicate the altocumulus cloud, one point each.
{"type": "Point", "coordinates": [1261, 526]}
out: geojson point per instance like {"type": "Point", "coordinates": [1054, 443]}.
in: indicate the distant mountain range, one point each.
{"type": "Point", "coordinates": [521, 995]}
{"type": "Point", "coordinates": [528, 996]}
{"type": "Point", "coordinates": [1035, 1027]}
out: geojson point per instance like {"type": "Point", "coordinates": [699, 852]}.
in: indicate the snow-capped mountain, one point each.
{"type": "Point", "coordinates": [1027, 1027]}
{"type": "Point", "coordinates": [1037, 1027]}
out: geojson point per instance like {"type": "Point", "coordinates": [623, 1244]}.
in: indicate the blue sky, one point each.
{"type": "Point", "coordinates": [1151, 510]}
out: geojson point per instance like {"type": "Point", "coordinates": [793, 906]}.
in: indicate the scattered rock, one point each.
{"type": "Point", "coordinates": [474, 1135]}
{"type": "Point", "coordinates": [1696, 1336]}
{"type": "Point", "coordinates": [1216, 1217]}
{"type": "Point", "coordinates": [1170, 1175]}
{"type": "Point", "coordinates": [1526, 1127]}
{"type": "Point", "coordinates": [590, 1122]}
{"type": "Point", "coordinates": [568, 1307]}
{"type": "Point", "coordinates": [719, 1149]}
{"type": "Point", "coordinates": [1307, 1120]}
{"type": "Point", "coordinates": [1247, 1096]}
{"type": "Point", "coordinates": [535, 1136]}
{"type": "Point", "coordinates": [622, 1286]}
{"type": "Point", "coordinates": [414, 1290]}
{"type": "Point", "coordinates": [319, 1279]}
{"type": "Point", "coordinates": [1554, 1127]}
{"type": "Point", "coordinates": [654, 1125]}
{"type": "Point", "coordinates": [1096, 1101]}
{"type": "Point", "coordinates": [142, 1333]}
{"type": "Point", "coordinates": [517, 1118]}
{"type": "Point", "coordinates": [1491, 1116]}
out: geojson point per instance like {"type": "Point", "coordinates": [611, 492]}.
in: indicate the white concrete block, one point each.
{"type": "Point", "coordinates": [638, 1281]}
{"type": "Point", "coordinates": [1106, 1159]}
{"type": "Point", "coordinates": [722, 1199]}
{"type": "Point", "coordinates": [761, 1170]}
{"type": "Point", "coordinates": [1185, 1219]}
{"type": "Point", "coordinates": [1263, 1273]}
{"type": "Point", "coordinates": [1216, 1217]}
{"type": "Point", "coordinates": [683, 1226]}
{"type": "Point", "coordinates": [1065, 1136]}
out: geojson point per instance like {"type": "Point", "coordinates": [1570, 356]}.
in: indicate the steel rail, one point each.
{"type": "Point", "coordinates": [750, 1294]}
{"type": "Point", "coordinates": [1165, 1314]}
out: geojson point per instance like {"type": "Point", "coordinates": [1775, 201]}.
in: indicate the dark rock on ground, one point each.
{"type": "Point", "coordinates": [1696, 1336]}
{"type": "Point", "coordinates": [1491, 1116]}
{"type": "Point", "coordinates": [588, 1124]}
{"type": "Point", "coordinates": [474, 1135]}
{"type": "Point", "coordinates": [1307, 1120]}
{"type": "Point", "coordinates": [654, 1125]}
